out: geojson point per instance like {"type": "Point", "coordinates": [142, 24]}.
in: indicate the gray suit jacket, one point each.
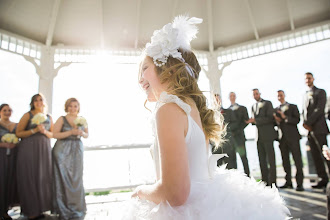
{"type": "Point", "coordinates": [263, 114]}
{"type": "Point", "coordinates": [289, 125]}
{"type": "Point", "coordinates": [241, 116]}
{"type": "Point", "coordinates": [313, 110]}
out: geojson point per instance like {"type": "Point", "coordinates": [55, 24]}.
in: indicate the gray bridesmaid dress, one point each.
{"type": "Point", "coordinates": [8, 183]}
{"type": "Point", "coordinates": [34, 172]}
{"type": "Point", "coordinates": [69, 190]}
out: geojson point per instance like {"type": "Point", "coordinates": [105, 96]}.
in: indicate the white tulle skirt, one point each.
{"type": "Point", "coordinates": [228, 195]}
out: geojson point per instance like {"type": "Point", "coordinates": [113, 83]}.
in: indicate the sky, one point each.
{"type": "Point", "coordinates": [113, 103]}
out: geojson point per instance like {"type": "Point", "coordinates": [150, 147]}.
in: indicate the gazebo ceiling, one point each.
{"type": "Point", "coordinates": [128, 24]}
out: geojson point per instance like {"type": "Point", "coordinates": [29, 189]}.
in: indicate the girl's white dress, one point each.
{"type": "Point", "coordinates": [216, 193]}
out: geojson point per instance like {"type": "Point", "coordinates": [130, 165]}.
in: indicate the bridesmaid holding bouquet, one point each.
{"type": "Point", "coordinates": [8, 154]}
{"type": "Point", "coordinates": [34, 161]}
{"type": "Point", "coordinates": [69, 193]}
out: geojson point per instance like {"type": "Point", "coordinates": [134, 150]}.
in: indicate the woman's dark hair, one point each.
{"type": "Point", "coordinates": [34, 98]}
{"type": "Point", "coordinates": [2, 106]}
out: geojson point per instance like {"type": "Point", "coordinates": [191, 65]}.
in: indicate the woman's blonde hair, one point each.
{"type": "Point", "coordinates": [182, 84]}
{"type": "Point", "coordinates": [69, 101]}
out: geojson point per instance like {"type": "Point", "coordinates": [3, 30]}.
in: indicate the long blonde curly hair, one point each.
{"type": "Point", "coordinates": [183, 85]}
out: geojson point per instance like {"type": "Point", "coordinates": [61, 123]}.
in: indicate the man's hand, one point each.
{"type": "Point", "coordinates": [307, 127]}
{"type": "Point", "coordinates": [277, 119]}
{"type": "Point", "coordinates": [281, 113]}
{"type": "Point", "coordinates": [326, 152]}
{"type": "Point", "coordinates": [251, 120]}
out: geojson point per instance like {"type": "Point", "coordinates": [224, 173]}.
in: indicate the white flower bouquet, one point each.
{"type": "Point", "coordinates": [10, 139]}
{"type": "Point", "coordinates": [39, 119]}
{"type": "Point", "coordinates": [80, 122]}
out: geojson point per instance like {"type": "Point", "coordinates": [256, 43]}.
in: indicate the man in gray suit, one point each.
{"type": "Point", "coordinates": [238, 135]}
{"type": "Point", "coordinates": [314, 122]}
{"type": "Point", "coordinates": [228, 146]}
{"type": "Point", "coordinates": [287, 117]}
{"type": "Point", "coordinates": [263, 118]}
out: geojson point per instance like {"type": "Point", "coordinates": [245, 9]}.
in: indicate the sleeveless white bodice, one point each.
{"type": "Point", "coordinates": [195, 141]}
{"type": "Point", "coordinates": [215, 193]}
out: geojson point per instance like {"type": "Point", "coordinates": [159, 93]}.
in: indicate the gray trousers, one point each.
{"type": "Point", "coordinates": [292, 146]}
{"type": "Point", "coordinates": [240, 148]}
{"type": "Point", "coordinates": [267, 161]}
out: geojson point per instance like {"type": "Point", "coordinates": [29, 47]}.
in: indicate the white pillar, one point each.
{"type": "Point", "coordinates": [47, 73]}
{"type": "Point", "coordinates": [214, 73]}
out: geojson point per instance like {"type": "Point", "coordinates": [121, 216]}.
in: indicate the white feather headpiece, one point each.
{"type": "Point", "coordinates": [173, 36]}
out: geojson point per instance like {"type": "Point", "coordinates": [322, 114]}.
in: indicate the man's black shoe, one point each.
{"type": "Point", "coordinates": [322, 184]}
{"type": "Point", "coordinates": [300, 188]}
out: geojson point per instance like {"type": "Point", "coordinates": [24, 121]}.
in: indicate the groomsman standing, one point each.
{"type": "Point", "coordinates": [227, 147]}
{"type": "Point", "coordinates": [263, 118]}
{"type": "Point", "coordinates": [238, 135]}
{"type": "Point", "coordinates": [314, 122]}
{"type": "Point", "coordinates": [287, 117]}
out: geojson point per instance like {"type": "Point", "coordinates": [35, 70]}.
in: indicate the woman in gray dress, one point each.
{"type": "Point", "coordinates": [8, 153]}
{"type": "Point", "coordinates": [67, 154]}
{"type": "Point", "coordinates": [34, 161]}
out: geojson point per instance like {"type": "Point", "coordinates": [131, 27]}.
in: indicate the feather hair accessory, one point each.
{"type": "Point", "coordinates": [173, 36]}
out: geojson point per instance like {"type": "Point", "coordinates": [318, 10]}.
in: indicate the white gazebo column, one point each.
{"type": "Point", "coordinates": [214, 73]}
{"type": "Point", "coordinates": [47, 73]}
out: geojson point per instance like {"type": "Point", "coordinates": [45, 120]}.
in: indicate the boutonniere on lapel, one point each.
{"type": "Point", "coordinates": [310, 94]}
{"type": "Point", "coordinates": [284, 108]}
{"type": "Point", "coordinates": [260, 105]}
{"type": "Point", "coordinates": [310, 97]}
{"type": "Point", "coordinates": [235, 107]}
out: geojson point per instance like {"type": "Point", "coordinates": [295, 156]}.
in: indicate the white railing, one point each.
{"type": "Point", "coordinates": [121, 167]}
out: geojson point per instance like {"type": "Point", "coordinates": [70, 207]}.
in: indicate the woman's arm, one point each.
{"type": "Point", "coordinates": [57, 130]}
{"type": "Point", "coordinates": [174, 183]}
{"type": "Point", "coordinates": [20, 130]}
{"type": "Point", "coordinates": [85, 133]}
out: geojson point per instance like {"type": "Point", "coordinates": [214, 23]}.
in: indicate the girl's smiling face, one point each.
{"type": "Point", "coordinates": [150, 81]}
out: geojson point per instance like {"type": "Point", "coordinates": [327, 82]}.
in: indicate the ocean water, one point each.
{"type": "Point", "coordinates": [105, 169]}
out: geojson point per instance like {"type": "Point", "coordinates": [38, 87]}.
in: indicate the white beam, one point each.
{"type": "Point", "coordinates": [138, 21]}
{"type": "Point", "coordinates": [253, 24]}
{"type": "Point", "coordinates": [52, 23]}
{"type": "Point", "coordinates": [290, 14]}
{"type": "Point", "coordinates": [210, 25]}
{"type": "Point", "coordinates": [274, 36]}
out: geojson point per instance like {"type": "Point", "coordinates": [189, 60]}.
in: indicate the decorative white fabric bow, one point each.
{"type": "Point", "coordinates": [173, 36]}
{"type": "Point", "coordinates": [213, 163]}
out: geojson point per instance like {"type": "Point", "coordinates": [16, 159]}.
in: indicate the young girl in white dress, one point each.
{"type": "Point", "coordinates": [188, 184]}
